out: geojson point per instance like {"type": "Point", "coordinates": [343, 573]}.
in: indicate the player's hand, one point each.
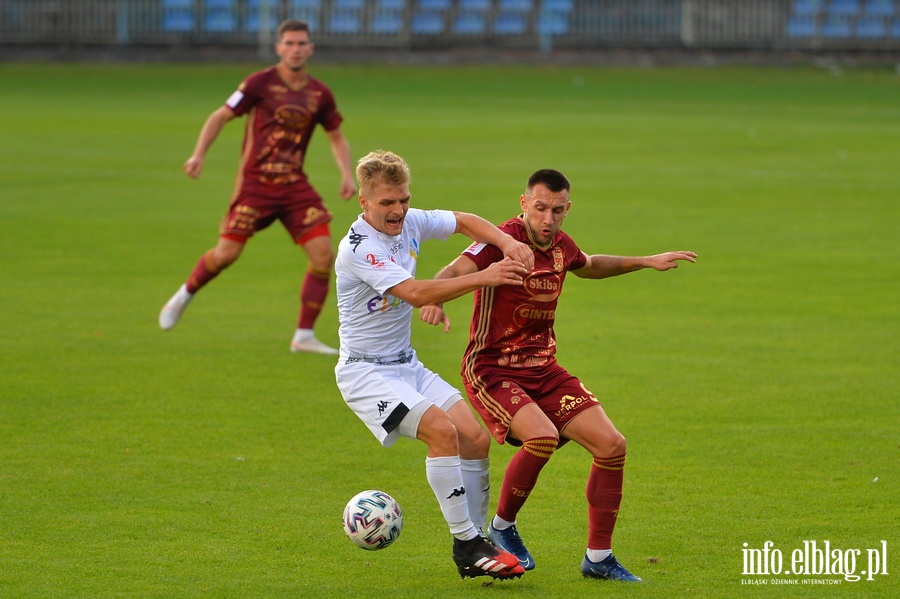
{"type": "Point", "coordinates": [348, 189]}
{"type": "Point", "coordinates": [520, 252]}
{"type": "Point", "coordinates": [434, 315]}
{"type": "Point", "coordinates": [193, 167]}
{"type": "Point", "coordinates": [670, 259]}
{"type": "Point", "coordinates": [508, 271]}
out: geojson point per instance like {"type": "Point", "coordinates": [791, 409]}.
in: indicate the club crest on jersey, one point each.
{"type": "Point", "coordinates": [558, 263]}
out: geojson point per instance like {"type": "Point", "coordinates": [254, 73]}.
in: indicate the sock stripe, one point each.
{"type": "Point", "coordinates": [209, 260]}
{"type": "Point", "coordinates": [613, 463]}
{"type": "Point", "coordinates": [542, 447]}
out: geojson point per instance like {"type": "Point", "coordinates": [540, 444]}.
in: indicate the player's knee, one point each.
{"type": "Point", "coordinates": [321, 258]}
{"type": "Point", "coordinates": [617, 445]}
{"type": "Point", "coordinates": [481, 443]}
{"type": "Point", "coordinates": [225, 257]}
{"type": "Point", "coordinates": [439, 434]}
{"type": "Point", "coordinates": [322, 262]}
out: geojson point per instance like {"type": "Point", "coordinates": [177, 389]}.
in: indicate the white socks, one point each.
{"type": "Point", "coordinates": [598, 555]}
{"type": "Point", "coordinates": [446, 482]}
{"type": "Point", "coordinates": [500, 524]}
{"type": "Point", "coordinates": [477, 480]}
{"type": "Point", "coordinates": [301, 335]}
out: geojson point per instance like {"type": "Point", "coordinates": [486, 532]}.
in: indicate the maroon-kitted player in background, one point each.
{"type": "Point", "coordinates": [283, 105]}
{"type": "Point", "coordinates": [513, 380]}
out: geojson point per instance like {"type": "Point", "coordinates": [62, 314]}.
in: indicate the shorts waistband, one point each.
{"type": "Point", "coordinates": [402, 358]}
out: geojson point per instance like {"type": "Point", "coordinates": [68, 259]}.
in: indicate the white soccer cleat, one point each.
{"type": "Point", "coordinates": [311, 345]}
{"type": "Point", "coordinates": [174, 308]}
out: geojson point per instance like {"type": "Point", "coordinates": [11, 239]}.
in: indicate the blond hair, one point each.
{"type": "Point", "coordinates": [381, 166]}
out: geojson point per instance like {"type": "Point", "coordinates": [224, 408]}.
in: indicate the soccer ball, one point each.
{"type": "Point", "coordinates": [373, 520]}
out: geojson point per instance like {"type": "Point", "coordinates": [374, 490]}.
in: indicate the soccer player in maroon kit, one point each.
{"type": "Point", "coordinates": [283, 105]}
{"type": "Point", "coordinates": [513, 380]}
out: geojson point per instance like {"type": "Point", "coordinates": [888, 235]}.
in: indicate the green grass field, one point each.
{"type": "Point", "coordinates": [758, 388]}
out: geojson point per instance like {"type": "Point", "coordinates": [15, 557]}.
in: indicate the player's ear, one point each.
{"type": "Point", "coordinates": [522, 202]}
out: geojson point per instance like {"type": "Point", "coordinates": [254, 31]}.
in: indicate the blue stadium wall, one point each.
{"type": "Point", "coordinates": [770, 25]}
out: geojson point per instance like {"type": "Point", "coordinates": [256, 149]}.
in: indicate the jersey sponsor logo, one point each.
{"type": "Point", "coordinates": [280, 155]}
{"type": "Point", "coordinates": [526, 312]}
{"type": "Point", "coordinates": [383, 303]}
{"type": "Point", "coordinates": [234, 99]}
{"type": "Point", "coordinates": [543, 285]}
{"type": "Point", "coordinates": [294, 118]}
{"type": "Point", "coordinates": [312, 214]}
{"type": "Point", "coordinates": [374, 261]}
{"type": "Point", "coordinates": [522, 361]}
{"type": "Point", "coordinates": [243, 219]}
{"type": "Point", "coordinates": [570, 403]}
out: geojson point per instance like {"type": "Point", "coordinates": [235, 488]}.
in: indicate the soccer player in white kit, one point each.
{"type": "Point", "coordinates": [378, 372]}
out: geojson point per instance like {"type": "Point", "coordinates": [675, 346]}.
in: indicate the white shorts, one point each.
{"type": "Point", "coordinates": [390, 399]}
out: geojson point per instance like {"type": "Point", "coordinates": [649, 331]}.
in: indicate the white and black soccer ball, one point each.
{"type": "Point", "coordinates": [373, 520]}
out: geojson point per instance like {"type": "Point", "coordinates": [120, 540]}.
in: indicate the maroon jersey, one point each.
{"type": "Point", "coordinates": [280, 123]}
{"type": "Point", "coordinates": [512, 326]}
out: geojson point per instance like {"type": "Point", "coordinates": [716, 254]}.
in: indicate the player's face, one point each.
{"type": "Point", "coordinates": [294, 48]}
{"type": "Point", "coordinates": [385, 206]}
{"type": "Point", "coordinates": [544, 213]}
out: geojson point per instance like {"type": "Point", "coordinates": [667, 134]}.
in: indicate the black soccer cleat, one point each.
{"type": "Point", "coordinates": [477, 557]}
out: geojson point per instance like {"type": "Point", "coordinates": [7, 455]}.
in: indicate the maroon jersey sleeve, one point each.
{"type": "Point", "coordinates": [482, 254]}
{"type": "Point", "coordinates": [247, 94]}
{"type": "Point", "coordinates": [329, 116]}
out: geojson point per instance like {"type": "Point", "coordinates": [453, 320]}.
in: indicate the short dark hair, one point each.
{"type": "Point", "coordinates": [552, 179]}
{"type": "Point", "coordinates": [291, 25]}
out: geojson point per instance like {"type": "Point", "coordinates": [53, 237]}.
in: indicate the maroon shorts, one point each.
{"type": "Point", "coordinates": [497, 393]}
{"type": "Point", "coordinates": [299, 208]}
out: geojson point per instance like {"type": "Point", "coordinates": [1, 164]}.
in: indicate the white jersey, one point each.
{"type": "Point", "coordinates": [374, 324]}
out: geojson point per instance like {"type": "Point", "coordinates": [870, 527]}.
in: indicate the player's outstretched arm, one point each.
{"type": "Point", "coordinates": [434, 314]}
{"type": "Point", "coordinates": [436, 291]}
{"type": "Point", "coordinates": [601, 266]}
{"type": "Point", "coordinates": [477, 228]}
